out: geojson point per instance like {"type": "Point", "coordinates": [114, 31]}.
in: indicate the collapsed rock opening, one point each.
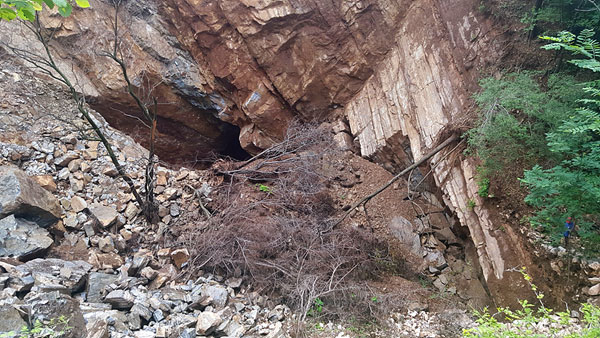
{"type": "Point", "coordinates": [177, 143]}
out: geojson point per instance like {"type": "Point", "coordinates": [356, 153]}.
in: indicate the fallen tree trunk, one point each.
{"type": "Point", "coordinates": [366, 199]}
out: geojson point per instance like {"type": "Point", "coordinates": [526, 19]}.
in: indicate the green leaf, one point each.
{"type": "Point", "coordinates": [26, 14]}
{"type": "Point", "coordinates": [49, 3]}
{"type": "Point", "coordinates": [7, 14]}
{"type": "Point", "coordinates": [61, 3]}
{"type": "Point", "coordinates": [36, 4]}
{"type": "Point", "coordinates": [65, 11]}
{"type": "Point", "coordinates": [83, 3]}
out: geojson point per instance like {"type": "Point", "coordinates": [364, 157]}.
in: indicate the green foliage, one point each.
{"type": "Point", "coordinates": [483, 182]}
{"type": "Point", "coordinates": [317, 307]}
{"type": "Point", "coordinates": [471, 204]}
{"type": "Point", "coordinates": [572, 187]}
{"type": "Point", "coordinates": [566, 14]}
{"type": "Point", "coordinates": [526, 321]}
{"type": "Point", "coordinates": [25, 9]}
{"type": "Point", "coordinates": [52, 329]}
{"type": "Point", "coordinates": [515, 116]}
{"type": "Point", "coordinates": [584, 45]}
{"type": "Point", "coordinates": [264, 188]}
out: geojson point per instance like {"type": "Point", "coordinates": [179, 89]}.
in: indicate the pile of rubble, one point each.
{"type": "Point", "coordinates": [108, 295]}
{"type": "Point", "coordinates": [97, 304]}
{"type": "Point", "coordinates": [67, 223]}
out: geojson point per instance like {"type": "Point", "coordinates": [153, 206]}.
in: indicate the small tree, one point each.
{"type": "Point", "coordinates": [45, 62]}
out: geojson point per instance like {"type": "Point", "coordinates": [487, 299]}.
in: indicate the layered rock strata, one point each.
{"type": "Point", "coordinates": [419, 95]}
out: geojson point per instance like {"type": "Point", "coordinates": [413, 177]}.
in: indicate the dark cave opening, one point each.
{"type": "Point", "coordinates": [195, 143]}
{"type": "Point", "coordinates": [233, 148]}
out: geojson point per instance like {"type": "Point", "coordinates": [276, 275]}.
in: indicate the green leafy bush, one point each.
{"type": "Point", "coordinates": [572, 187]}
{"type": "Point", "coordinates": [516, 113]}
{"type": "Point", "coordinates": [53, 328]}
{"type": "Point", "coordinates": [528, 322]}
{"type": "Point", "coordinates": [25, 9]}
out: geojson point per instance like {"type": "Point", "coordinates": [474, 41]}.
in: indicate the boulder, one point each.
{"type": "Point", "coordinates": [25, 198]}
{"type": "Point", "coordinates": [21, 239]}
{"type": "Point", "coordinates": [97, 329]}
{"type": "Point", "coordinates": [403, 230]}
{"type": "Point", "coordinates": [62, 310]}
{"type": "Point", "coordinates": [71, 275]}
{"type": "Point", "coordinates": [96, 284]}
{"type": "Point", "coordinates": [207, 322]}
{"type": "Point", "coordinates": [217, 293]}
{"type": "Point", "coordinates": [46, 182]}
{"type": "Point", "coordinates": [594, 290]}
{"type": "Point", "coordinates": [120, 299]}
{"type": "Point", "coordinates": [105, 215]}
{"type": "Point", "coordinates": [141, 310]}
{"type": "Point", "coordinates": [11, 319]}
{"type": "Point", "coordinates": [78, 204]}
{"type": "Point", "coordinates": [180, 257]}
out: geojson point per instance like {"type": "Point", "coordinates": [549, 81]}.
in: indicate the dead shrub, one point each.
{"type": "Point", "coordinates": [271, 223]}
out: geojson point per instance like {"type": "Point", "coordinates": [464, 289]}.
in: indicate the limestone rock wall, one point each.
{"type": "Point", "coordinates": [420, 93]}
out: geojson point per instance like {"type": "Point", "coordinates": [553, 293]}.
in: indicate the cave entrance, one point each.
{"type": "Point", "coordinates": [195, 143]}
{"type": "Point", "coordinates": [231, 139]}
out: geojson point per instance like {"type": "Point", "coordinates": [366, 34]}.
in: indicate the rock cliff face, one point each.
{"type": "Point", "coordinates": [400, 72]}
{"type": "Point", "coordinates": [419, 95]}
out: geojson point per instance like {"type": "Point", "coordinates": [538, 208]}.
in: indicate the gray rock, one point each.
{"type": "Point", "coordinates": [76, 185]}
{"type": "Point", "coordinates": [134, 320]}
{"type": "Point", "coordinates": [144, 334]}
{"type": "Point", "coordinates": [234, 283]}
{"type": "Point", "coordinates": [22, 283]}
{"type": "Point", "coordinates": [120, 299]}
{"type": "Point", "coordinates": [21, 238]}
{"type": "Point", "coordinates": [25, 198]}
{"type": "Point", "coordinates": [188, 333]}
{"type": "Point", "coordinates": [403, 230]}
{"type": "Point", "coordinates": [207, 322]}
{"type": "Point", "coordinates": [11, 320]}
{"type": "Point", "coordinates": [278, 313]}
{"type": "Point", "coordinates": [97, 282]}
{"type": "Point", "coordinates": [106, 244]}
{"type": "Point", "coordinates": [438, 284]}
{"type": "Point", "coordinates": [217, 293]}
{"type": "Point", "coordinates": [141, 310]}
{"type": "Point", "coordinates": [105, 215]}
{"type": "Point", "coordinates": [71, 221]}
{"type": "Point", "coordinates": [43, 146]}
{"type": "Point", "coordinates": [64, 160]}
{"type": "Point", "coordinates": [52, 271]}
{"type": "Point", "coordinates": [158, 316]}
{"type": "Point", "coordinates": [97, 329]}
{"type": "Point", "coordinates": [594, 290]}
{"type": "Point", "coordinates": [183, 321]}
{"type": "Point", "coordinates": [52, 305]}
{"type": "Point", "coordinates": [234, 328]}
{"type": "Point", "coordinates": [174, 210]}
{"type": "Point", "coordinates": [64, 174]}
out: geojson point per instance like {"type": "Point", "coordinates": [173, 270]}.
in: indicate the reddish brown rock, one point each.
{"type": "Point", "coordinates": [180, 257]}
{"type": "Point", "coordinates": [46, 182]}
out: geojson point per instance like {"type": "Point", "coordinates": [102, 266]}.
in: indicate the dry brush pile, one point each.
{"type": "Point", "coordinates": [272, 222]}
